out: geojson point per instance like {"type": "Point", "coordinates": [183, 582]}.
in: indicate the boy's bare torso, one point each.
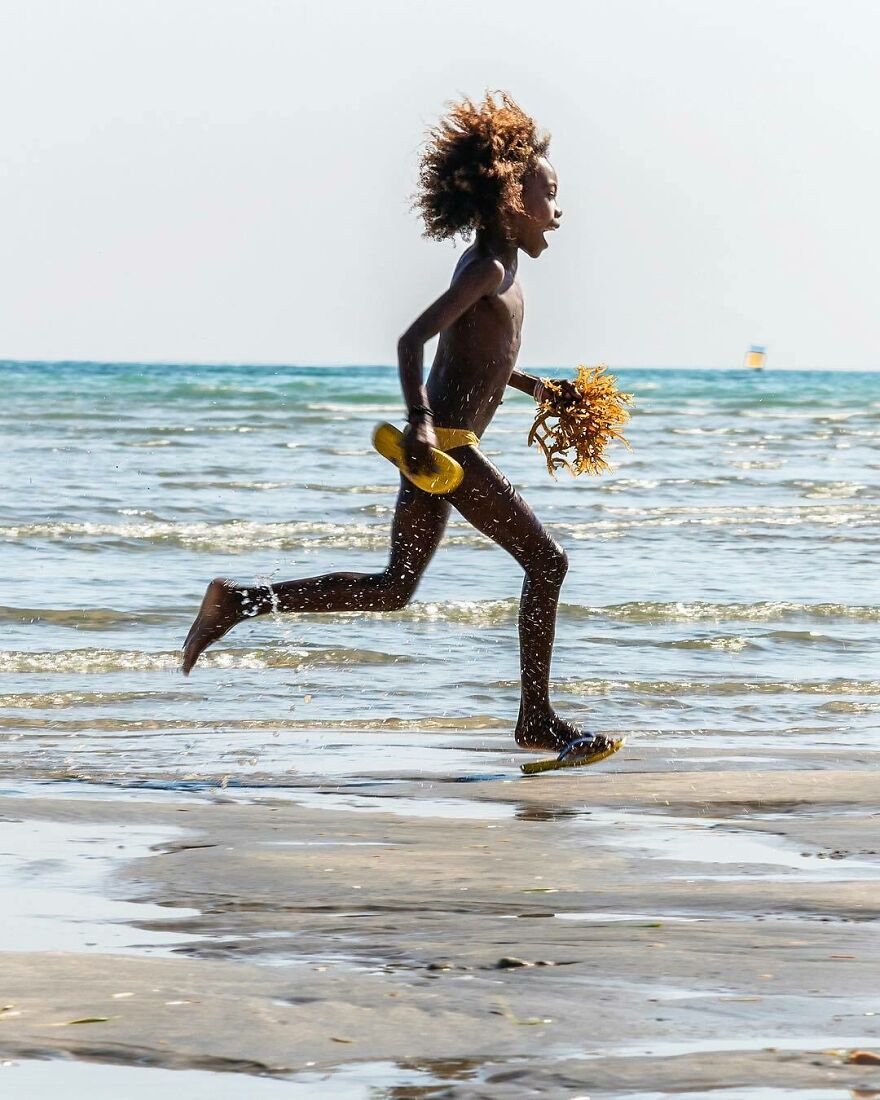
{"type": "Point", "coordinates": [477, 354]}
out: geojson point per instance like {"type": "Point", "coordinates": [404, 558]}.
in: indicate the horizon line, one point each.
{"type": "Point", "coordinates": [270, 365]}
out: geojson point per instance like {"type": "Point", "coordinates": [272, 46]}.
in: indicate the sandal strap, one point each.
{"type": "Point", "coordinates": [578, 743]}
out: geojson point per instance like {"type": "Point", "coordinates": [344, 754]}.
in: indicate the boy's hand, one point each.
{"type": "Point", "coordinates": [418, 439]}
{"type": "Point", "coordinates": [566, 397]}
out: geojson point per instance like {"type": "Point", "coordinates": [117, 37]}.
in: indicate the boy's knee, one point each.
{"type": "Point", "coordinates": [396, 592]}
{"type": "Point", "coordinates": [560, 562]}
{"type": "Point", "coordinates": [397, 598]}
{"type": "Point", "coordinates": [552, 565]}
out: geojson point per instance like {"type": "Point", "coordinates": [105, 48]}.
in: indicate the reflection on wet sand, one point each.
{"type": "Point", "coordinates": [564, 935]}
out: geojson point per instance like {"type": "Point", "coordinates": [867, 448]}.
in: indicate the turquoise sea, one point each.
{"type": "Point", "coordinates": [723, 590]}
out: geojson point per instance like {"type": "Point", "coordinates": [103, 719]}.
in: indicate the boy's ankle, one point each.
{"type": "Point", "coordinates": [257, 599]}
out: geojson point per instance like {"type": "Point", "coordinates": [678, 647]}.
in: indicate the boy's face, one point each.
{"type": "Point", "coordinates": [542, 212]}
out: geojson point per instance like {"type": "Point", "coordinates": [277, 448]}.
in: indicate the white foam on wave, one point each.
{"type": "Point", "coordinates": [688, 687]}
{"type": "Point", "coordinates": [95, 660]}
{"type": "Point", "coordinates": [354, 407]}
{"type": "Point", "coordinates": [244, 535]}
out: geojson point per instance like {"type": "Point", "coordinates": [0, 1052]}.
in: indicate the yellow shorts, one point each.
{"type": "Point", "coordinates": [450, 438]}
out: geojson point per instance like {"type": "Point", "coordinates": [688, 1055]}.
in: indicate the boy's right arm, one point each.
{"type": "Point", "coordinates": [476, 280]}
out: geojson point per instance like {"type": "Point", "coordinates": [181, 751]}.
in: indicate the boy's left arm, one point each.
{"type": "Point", "coordinates": [534, 387]}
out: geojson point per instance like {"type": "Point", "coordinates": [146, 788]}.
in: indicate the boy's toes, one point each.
{"type": "Point", "coordinates": [188, 660]}
{"type": "Point", "coordinates": [221, 609]}
{"type": "Point", "coordinates": [191, 653]}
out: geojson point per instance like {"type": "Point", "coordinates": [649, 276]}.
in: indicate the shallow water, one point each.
{"type": "Point", "coordinates": [770, 1093]}
{"type": "Point", "coordinates": [709, 844]}
{"type": "Point", "coordinates": [722, 592]}
{"type": "Point", "coordinates": [54, 877]}
{"type": "Point", "coordinates": [34, 1080]}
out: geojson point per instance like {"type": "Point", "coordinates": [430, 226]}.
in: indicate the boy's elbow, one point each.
{"type": "Point", "coordinates": [407, 345]}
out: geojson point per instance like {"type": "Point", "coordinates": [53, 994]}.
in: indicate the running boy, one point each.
{"type": "Point", "coordinates": [484, 172]}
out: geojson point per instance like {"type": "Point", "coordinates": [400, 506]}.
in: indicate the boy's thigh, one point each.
{"type": "Point", "coordinates": [418, 525]}
{"type": "Point", "coordinates": [488, 500]}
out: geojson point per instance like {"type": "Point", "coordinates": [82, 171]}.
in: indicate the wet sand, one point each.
{"type": "Point", "coordinates": [652, 925]}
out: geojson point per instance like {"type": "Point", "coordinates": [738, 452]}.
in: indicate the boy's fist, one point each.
{"type": "Point", "coordinates": [566, 395]}
{"type": "Point", "coordinates": [418, 439]}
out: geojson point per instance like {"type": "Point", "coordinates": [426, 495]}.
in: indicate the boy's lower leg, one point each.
{"type": "Point", "coordinates": [538, 726]}
{"type": "Point", "coordinates": [225, 603]}
{"type": "Point", "coordinates": [419, 520]}
{"type": "Point", "coordinates": [487, 499]}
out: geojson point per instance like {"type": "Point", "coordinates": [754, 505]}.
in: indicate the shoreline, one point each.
{"type": "Point", "coordinates": [315, 931]}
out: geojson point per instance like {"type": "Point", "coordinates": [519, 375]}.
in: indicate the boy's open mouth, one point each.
{"type": "Point", "coordinates": [548, 229]}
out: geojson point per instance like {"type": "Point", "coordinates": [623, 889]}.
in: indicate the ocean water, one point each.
{"type": "Point", "coordinates": [723, 589]}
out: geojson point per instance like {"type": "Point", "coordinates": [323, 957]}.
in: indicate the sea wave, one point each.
{"type": "Point", "coordinates": [353, 405]}
{"type": "Point", "coordinates": [761, 611]}
{"type": "Point", "coordinates": [849, 706]}
{"type": "Point", "coordinates": [118, 660]}
{"type": "Point", "coordinates": [850, 513]}
{"type": "Point", "coordinates": [771, 639]}
{"type": "Point", "coordinates": [612, 521]}
{"type": "Point", "coordinates": [688, 688]}
{"type": "Point", "coordinates": [232, 537]}
{"type": "Point", "coordinates": [227, 725]}
{"type": "Point", "coordinates": [85, 618]}
{"type": "Point", "coordinates": [60, 700]}
{"type": "Point", "coordinates": [490, 612]}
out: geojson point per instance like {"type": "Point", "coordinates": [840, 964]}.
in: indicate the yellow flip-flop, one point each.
{"type": "Point", "coordinates": [569, 758]}
{"type": "Point", "coordinates": [447, 476]}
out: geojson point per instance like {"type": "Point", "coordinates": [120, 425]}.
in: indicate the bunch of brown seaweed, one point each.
{"type": "Point", "coordinates": [584, 427]}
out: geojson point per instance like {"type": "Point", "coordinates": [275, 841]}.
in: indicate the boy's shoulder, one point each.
{"type": "Point", "coordinates": [483, 272]}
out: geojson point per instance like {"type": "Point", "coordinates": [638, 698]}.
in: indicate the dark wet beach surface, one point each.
{"type": "Point", "coordinates": [599, 933]}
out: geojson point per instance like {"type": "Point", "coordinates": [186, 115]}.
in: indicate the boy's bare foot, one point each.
{"type": "Point", "coordinates": [549, 732]}
{"type": "Point", "coordinates": [221, 609]}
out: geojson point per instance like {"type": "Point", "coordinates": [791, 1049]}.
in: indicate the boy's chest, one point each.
{"type": "Point", "coordinates": [509, 307]}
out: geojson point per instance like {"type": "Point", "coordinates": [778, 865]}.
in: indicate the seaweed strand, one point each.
{"type": "Point", "coordinates": [573, 435]}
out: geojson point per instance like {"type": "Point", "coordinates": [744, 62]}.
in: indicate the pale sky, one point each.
{"type": "Point", "coordinates": [229, 180]}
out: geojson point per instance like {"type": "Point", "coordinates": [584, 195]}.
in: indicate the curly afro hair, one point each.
{"type": "Point", "coordinates": [472, 167]}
